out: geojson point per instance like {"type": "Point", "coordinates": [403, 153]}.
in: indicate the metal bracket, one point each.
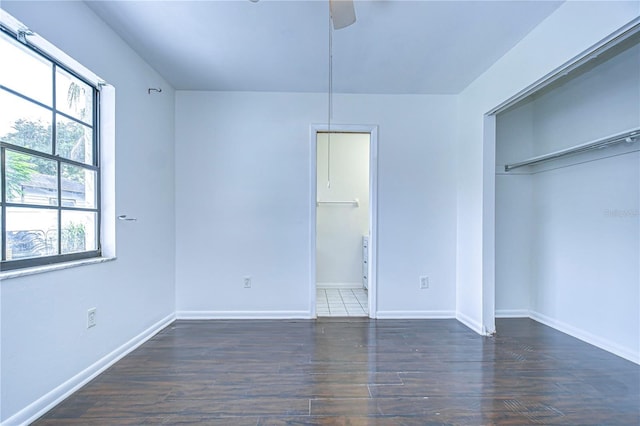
{"type": "Point", "coordinates": [22, 35]}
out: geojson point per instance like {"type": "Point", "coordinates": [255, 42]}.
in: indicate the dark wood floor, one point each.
{"type": "Point", "coordinates": [358, 372]}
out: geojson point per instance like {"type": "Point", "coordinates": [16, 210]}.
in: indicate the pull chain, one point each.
{"type": "Point", "coordinates": [330, 103]}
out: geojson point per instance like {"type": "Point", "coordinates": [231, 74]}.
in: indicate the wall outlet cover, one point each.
{"type": "Point", "coordinates": [424, 282]}
{"type": "Point", "coordinates": [91, 318]}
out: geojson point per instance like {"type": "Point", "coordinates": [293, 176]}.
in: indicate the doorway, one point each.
{"type": "Point", "coordinates": [343, 200]}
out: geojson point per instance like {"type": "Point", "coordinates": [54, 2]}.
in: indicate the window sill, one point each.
{"type": "Point", "coordinates": [53, 267]}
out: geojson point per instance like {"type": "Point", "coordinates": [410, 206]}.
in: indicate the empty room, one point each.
{"type": "Point", "coordinates": [265, 212]}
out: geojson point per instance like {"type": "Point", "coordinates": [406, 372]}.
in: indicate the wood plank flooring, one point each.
{"type": "Point", "coordinates": [358, 372]}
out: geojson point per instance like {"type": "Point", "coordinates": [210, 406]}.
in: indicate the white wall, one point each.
{"type": "Point", "coordinates": [514, 213]}
{"type": "Point", "coordinates": [582, 251]}
{"type": "Point", "coordinates": [242, 204]}
{"type": "Point", "coordinates": [45, 342]}
{"type": "Point", "coordinates": [547, 47]}
{"type": "Point", "coordinates": [340, 227]}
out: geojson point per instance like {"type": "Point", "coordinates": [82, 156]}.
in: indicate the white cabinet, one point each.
{"type": "Point", "coordinates": [365, 262]}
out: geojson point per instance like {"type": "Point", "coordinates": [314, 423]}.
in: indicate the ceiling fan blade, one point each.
{"type": "Point", "coordinates": [343, 13]}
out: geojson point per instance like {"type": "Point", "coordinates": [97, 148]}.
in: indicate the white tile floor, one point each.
{"type": "Point", "coordinates": [343, 302]}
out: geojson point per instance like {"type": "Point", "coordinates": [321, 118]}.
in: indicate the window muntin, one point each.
{"type": "Point", "coordinates": [49, 174]}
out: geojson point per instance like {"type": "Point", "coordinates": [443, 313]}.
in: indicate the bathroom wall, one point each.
{"type": "Point", "coordinates": [342, 175]}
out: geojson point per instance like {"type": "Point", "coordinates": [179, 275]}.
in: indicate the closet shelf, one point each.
{"type": "Point", "coordinates": [628, 136]}
{"type": "Point", "coordinates": [355, 202]}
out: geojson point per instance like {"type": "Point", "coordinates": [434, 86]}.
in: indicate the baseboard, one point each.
{"type": "Point", "coordinates": [43, 404]}
{"type": "Point", "coordinates": [321, 286]}
{"type": "Point", "coordinates": [415, 315]}
{"type": "Point", "coordinates": [512, 313]}
{"type": "Point", "coordinates": [587, 337]}
{"type": "Point", "coordinates": [469, 322]}
{"type": "Point", "coordinates": [206, 315]}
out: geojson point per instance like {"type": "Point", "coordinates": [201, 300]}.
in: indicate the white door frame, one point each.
{"type": "Point", "coordinates": [372, 262]}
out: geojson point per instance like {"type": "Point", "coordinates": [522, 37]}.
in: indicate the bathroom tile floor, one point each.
{"type": "Point", "coordinates": [343, 302]}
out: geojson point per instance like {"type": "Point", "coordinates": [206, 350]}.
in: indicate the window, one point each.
{"type": "Point", "coordinates": [49, 162]}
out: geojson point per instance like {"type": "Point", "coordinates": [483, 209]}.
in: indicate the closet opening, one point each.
{"type": "Point", "coordinates": [566, 197]}
{"type": "Point", "coordinates": [342, 281]}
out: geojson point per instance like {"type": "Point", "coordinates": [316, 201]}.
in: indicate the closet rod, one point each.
{"type": "Point", "coordinates": [354, 202]}
{"type": "Point", "coordinates": [628, 136]}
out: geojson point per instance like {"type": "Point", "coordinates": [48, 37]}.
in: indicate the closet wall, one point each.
{"type": "Point", "coordinates": [567, 231]}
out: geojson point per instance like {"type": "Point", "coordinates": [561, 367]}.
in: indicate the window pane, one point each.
{"type": "Point", "coordinates": [74, 140]}
{"type": "Point", "coordinates": [24, 123]}
{"type": "Point", "coordinates": [78, 187]}
{"type": "Point", "coordinates": [78, 231]}
{"type": "Point", "coordinates": [73, 96]}
{"type": "Point", "coordinates": [30, 179]}
{"type": "Point", "coordinates": [28, 73]}
{"type": "Point", "coordinates": [31, 232]}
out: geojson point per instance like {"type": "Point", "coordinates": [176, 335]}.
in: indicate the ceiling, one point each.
{"type": "Point", "coordinates": [395, 47]}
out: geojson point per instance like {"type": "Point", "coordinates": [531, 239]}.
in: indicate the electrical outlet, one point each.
{"type": "Point", "coordinates": [247, 282]}
{"type": "Point", "coordinates": [424, 282]}
{"type": "Point", "coordinates": [91, 318]}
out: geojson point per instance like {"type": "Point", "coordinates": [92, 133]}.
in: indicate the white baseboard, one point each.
{"type": "Point", "coordinates": [415, 315]}
{"type": "Point", "coordinates": [206, 315]}
{"type": "Point", "coordinates": [585, 336]}
{"type": "Point", "coordinates": [469, 322]}
{"type": "Point", "coordinates": [43, 404]}
{"type": "Point", "coordinates": [512, 313]}
{"type": "Point", "coordinates": [321, 286]}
